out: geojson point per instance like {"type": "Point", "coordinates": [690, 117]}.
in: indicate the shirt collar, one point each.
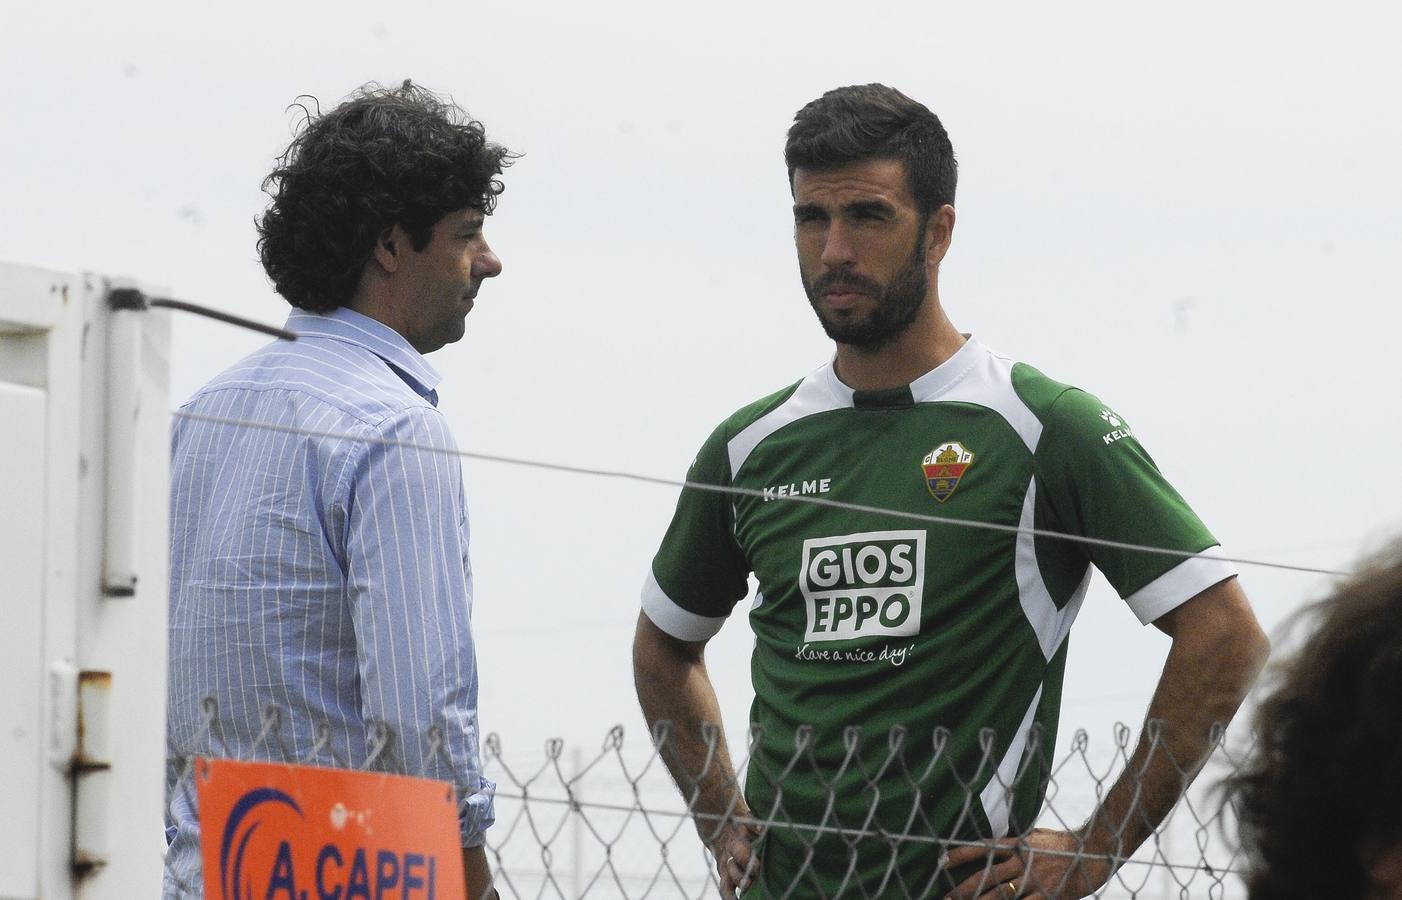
{"type": "Point", "coordinates": [924, 389]}
{"type": "Point", "coordinates": [351, 327]}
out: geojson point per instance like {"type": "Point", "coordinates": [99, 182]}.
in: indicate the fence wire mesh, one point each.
{"type": "Point", "coordinates": [608, 822]}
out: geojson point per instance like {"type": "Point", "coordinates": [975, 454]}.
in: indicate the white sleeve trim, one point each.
{"type": "Point", "coordinates": [671, 618]}
{"type": "Point", "coordinates": [1180, 584]}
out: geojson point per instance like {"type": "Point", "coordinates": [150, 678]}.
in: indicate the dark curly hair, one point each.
{"type": "Point", "coordinates": [1322, 788]}
{"type": "Point", "coordinates": [383, 157]}
{"type": "Point", "coordinates": [873, 121]}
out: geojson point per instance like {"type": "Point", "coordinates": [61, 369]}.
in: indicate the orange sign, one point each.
{"type": "Point", "coordinates": [280, 832]}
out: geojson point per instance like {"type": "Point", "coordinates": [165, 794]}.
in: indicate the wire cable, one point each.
{"type": "Point", "coordinates": [752, 492]}
{"type": "Point", "coordinates": [133, 299]}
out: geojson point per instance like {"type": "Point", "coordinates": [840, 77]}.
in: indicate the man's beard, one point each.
{"type": "Point", "coordinates": [897, 303]}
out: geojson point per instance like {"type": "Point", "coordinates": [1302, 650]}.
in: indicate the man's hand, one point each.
{"type": "Point", "coordinates": [1044, 865]}
{"type": "Point", "coordinates": [736, 862]}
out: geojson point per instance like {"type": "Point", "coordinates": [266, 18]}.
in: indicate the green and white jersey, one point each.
{"type": "Point", "coordinates": [944, 644]}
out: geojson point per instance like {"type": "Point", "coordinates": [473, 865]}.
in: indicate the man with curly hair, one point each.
{"type": "Point", "coordinates": [1319, 800]}
{"type": "Point", "coordinates": [321, 593]}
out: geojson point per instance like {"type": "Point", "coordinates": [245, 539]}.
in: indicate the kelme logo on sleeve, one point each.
{"type": "Point", "coordinates": [863, 585]}
{"type": "Point", "coordinates": [944, 466]}
{"type": "Point", "coordinates": [1121, 430]}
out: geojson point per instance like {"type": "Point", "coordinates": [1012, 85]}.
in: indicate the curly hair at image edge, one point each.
{"type": "Point", "coordinates": [1322, 789]}
{"type": "Point", "coordinates": [385, 156]}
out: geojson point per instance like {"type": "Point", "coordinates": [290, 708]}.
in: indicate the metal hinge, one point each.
{"type": "Point", "coordinates": [89, 771]}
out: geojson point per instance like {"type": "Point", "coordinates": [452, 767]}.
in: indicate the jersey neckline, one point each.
{"type": "Point", "coordinates": [927, 387]}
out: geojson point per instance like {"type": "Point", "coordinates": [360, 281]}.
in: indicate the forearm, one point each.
{"type": "Point", "coordinates": [477, 874]}
{"type": "Point", "coordinates": [1207, 674]}
{"type": "Point", "coordinates": [673, 686]}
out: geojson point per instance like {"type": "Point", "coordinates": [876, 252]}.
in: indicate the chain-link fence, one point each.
{"type": "Point", "coordinates": [608, 822]}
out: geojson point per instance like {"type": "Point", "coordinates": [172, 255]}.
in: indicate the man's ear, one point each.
{"type": "Point", "coordinates": [939, 234]}
{"type": "Point", "coordinates": [388, 247]}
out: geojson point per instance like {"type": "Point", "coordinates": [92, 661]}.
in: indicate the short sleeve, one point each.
{"type": "Point", "coordinates": [699, 572]}
{"type": "Point", "coordinates": [1098, 481]}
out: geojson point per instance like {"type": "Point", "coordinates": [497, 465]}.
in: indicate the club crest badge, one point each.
{"type": "Point", "coordinates": [944, 466]}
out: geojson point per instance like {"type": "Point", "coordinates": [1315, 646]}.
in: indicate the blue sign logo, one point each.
{"type": "Point", "coordinates": [230, 879]}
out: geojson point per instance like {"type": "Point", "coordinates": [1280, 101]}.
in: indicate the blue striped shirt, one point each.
{"type": "Point", "coordinates": [321, 567]}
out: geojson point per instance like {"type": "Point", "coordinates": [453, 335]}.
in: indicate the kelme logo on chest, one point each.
{"type": "Point", "coordinates": [863, 585]}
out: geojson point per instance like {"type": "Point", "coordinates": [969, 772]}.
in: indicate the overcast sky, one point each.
{"type": "Point", "coordinates": [1190, 209]}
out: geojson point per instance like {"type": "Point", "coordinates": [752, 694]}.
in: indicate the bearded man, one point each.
{"type": "Point", "coordinates": [944, 644]}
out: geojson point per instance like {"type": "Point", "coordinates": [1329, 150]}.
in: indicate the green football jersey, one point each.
{"type": "Point", "coordinates": [907, 673]}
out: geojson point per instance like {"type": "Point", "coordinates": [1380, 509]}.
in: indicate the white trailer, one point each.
{"type": "Point", "coordinates": [84, 407]}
